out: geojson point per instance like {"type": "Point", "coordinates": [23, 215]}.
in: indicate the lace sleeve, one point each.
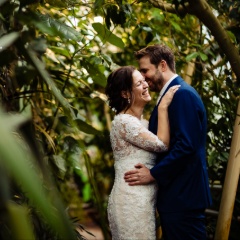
{"type": "Point", "coordinates": [131, 130]}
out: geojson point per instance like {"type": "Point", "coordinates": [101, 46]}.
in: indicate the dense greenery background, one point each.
{"type": "Point", "coordinates": [56, 163]}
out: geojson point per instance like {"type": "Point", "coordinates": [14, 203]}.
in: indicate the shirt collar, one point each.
{"type": "Point", "coordinates": [165, 86]}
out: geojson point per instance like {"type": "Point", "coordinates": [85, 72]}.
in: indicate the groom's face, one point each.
{"type": "Point", "coordinates": [152, 75]}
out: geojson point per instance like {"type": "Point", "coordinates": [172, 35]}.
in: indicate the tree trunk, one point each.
{"type": "Point", "coordinates": [230, 184]}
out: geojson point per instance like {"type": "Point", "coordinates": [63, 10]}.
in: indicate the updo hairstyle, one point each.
{"type": "Point", "coordinates": [120, 80]}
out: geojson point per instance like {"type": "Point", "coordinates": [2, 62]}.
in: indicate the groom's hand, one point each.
{"type": "Point", "coordinates": [139, 176]}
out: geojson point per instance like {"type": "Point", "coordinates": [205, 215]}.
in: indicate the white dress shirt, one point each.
{"type": "Point", "coordinates": [165, 87]}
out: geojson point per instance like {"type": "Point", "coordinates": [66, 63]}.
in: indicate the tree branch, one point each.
{"type": "Point", "coordinates": [203, 12]}
{"type": "Point", "coordinates": [167, 7]}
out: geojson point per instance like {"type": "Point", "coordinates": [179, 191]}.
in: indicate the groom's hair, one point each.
{"type": "Point", "coordinates": [157, 53]}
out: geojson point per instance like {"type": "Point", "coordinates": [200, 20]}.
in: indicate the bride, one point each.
{"type": "Point", "coordinates": [131, 209]}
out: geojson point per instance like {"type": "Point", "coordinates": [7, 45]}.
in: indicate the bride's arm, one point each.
{"type": "Point", "coordinates": [131, 130]}
{"type": "Point", "coordinates": [163, 132]}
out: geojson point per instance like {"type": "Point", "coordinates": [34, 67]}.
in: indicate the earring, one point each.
{"type": "Point", "coordinates": [129, 101]}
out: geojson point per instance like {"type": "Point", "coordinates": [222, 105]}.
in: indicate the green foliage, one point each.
{"type": "Point", "coordinates": [21, 165]}
{"type": "Point", "coordinates": [55, 57]}
{"type": "Point", "coordinates": [49, 69]}
{"type": "Point", "coordinates": [106, 35]}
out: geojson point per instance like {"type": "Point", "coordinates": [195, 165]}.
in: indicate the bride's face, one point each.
{"type": "Point", "coordinates": [140, 89]}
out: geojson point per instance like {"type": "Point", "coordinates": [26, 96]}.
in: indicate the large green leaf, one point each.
{"type": "Point", "coordinates": [2, 2]}
{"type": "Point", "coordinates": [176, 26]}
{"type": "Point", "coordinates": [107, 36]}
{"type": "Point", "coordinates": [94, 72]}
{"type": "Point", "coordinates": [17, 161]}
{"type": "Point", "coordinates": [20, 222]}
{"type": "Point", "coordinates": [192, 56]}
{"type": "Point", "coordinates": [60, 51]}
{"type": "Point", "coordinates": [48, 25]}
{"type": "Point", "coordinates": [7, 40]}
{"type": "Point", "coordinates": [61, 164]}
{"type": "Point", "coordinates": [203, 56]}
{"type": "Point", "coordinates": [85, 127]}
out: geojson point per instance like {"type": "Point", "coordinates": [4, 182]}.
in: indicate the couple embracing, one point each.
{"type": "Point", "coordinates": [160, 164]}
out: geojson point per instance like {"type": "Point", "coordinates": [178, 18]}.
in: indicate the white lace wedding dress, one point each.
{"type": "Point", "coordinates": [131, 209]}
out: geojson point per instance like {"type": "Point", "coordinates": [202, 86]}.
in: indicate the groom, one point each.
{"type": "Point", "coordinates": [181, 173]}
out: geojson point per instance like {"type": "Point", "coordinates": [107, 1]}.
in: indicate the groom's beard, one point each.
{"type": "Point", "coordinates": [155, 82]}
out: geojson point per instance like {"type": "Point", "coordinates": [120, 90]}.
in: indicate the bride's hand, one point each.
{"type": "Point", "coordinates": [167, 98]}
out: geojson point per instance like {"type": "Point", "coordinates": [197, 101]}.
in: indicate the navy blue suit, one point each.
{"type": "Point", "coordinates": [181, 173]}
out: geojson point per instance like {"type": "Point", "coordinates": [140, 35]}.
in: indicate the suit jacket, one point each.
{"type": "Point", "coordinates": [181, 173]}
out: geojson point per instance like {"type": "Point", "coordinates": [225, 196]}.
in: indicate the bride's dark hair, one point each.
{"type": "Point", "coordinates": [120, 80]}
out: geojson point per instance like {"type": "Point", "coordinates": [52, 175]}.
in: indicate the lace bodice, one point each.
{"type": "Point", "coordinates": [131, 209]}
{"type": "Point", "coordinates": [130, 134]}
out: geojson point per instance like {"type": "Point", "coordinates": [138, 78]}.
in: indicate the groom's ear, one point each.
{"type": "Point", "coordinates": [162, 66]}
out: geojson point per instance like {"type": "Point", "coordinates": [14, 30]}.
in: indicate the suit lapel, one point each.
{"type": "Point", "coordinates": [176, 81]}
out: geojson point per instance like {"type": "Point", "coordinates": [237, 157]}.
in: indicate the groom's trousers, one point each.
{"type": "Point", "coordinates": [183, 225]}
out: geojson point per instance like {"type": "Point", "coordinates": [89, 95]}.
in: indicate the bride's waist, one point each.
{"type": "Point", "coordinates": [122, 166]}
{"type": "Point", "coordinates": [137, 155]}
{"type": "Point", "coordinates": [122, 187]}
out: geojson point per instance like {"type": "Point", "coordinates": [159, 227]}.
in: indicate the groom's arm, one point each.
{"type": "Point", "coordinates": [139, 176]}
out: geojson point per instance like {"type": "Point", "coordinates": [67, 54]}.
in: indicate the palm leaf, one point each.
{"type": "Point", "coordinates": [16, 160]}
{"type": "Point", "coordinates": [20, 222]}
{"type": "Point", "coordinates": [45, 75]}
